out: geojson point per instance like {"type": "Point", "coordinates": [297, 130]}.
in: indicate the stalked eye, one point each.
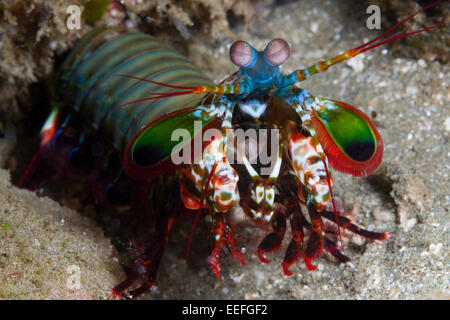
{"type": "Point", "coordinates": [242, 54]}
{"type": "Point", "coordinates": [277, 52]}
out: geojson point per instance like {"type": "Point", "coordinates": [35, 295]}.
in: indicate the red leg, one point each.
{"type": "Point", "coordinates": [347, 224]}
{"type": "Point", "coordinates": [273, 240]}
{"type": "Point", "coordinates": [331, 247]}
{"type": "Point", "coordinates": [147, 266]}
{"type": "Point", "coordinates": [221, 235]}
{"type": "Point", "coordinates": [316, 239]}
{"type": "Point", "coordinates": [294, 250]}
{"type": "Point", "coordinates": [27, 177]}
{"type": "Point", "coordinates": [62, 147]}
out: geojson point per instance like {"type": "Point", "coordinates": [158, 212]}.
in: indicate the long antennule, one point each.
{"type": "Point", "coordinates": [155, 96]}
{"type": "Point", "coordinates": [244, 86]}
{"type": "Point", "coordinates": [400, 35]}
{"type": "Point", "coordinates": [334, 205]}
{"type": "Point", "coordinates": [197, 216]}
{"type": "Point", "coordinates": [322, 66]}
{"type": "Point", "coordinates": [401, 23]}
{"type": "Point", "coordinates": [154, 82]}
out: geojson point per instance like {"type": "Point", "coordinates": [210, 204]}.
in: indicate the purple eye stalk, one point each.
{"type": "Point", "coordinates": [277, 52]}
{"type": "Point", "coordinates": [243, 54]}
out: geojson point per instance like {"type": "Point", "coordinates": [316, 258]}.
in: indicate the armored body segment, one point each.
{"type": "Point", "coordinates": [90, 82]}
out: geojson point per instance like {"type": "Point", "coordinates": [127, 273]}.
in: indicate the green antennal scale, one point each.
{"type": "Point", "coordinates": [350, 139]}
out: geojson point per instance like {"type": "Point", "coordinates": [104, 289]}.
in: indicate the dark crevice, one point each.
{"type": "Point", "coordinates": [383, 186]}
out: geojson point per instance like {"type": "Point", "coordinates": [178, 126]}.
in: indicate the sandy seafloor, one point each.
{"type": "Point", "coordinates": [408, 196]}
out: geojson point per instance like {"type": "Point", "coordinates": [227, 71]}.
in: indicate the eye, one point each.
{"type": "Point", "coordinates": [241, 53]}
{"type": "Point", "coordinates": [277, 52]}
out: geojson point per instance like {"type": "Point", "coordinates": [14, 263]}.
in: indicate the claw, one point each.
{"type": "Point", "coordinates": [222, 235]}
{"type": "Point", "coordinates": [262, 258]}
{"type": "Point", "coordinates": [286, 270]}
{"type": "Point", "coordinates": [294, 250]}
{"type": "Point", "coordinates": [214, 262]}
{"type": "Point", "coordinates": [142, 289]}
{"type": "Point", "coordinates": [148, 265]}
{"type": "Point", "coordinates": [238, 256]}
{"type": "Point", "coordinates": [309, 265]}
{"type": "Point", "coordinates": [385, 236]}
{"type": "Point", "coordinates": [273, 240]}
{"type": "Point", "coordinates": [270, 243]}
{"type": "Point", "coordinates": [313, 249]}
{"type": "Point", "coordinates": [118, 290]}
{"type": "Point", "coordinates": [293, 254]}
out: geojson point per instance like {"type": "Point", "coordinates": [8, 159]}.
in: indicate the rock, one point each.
{"type": "Point", "coordinates": [42, 244]}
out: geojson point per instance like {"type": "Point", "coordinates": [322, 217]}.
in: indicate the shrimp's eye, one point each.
{"type": "Point", "coordinates": [277, 52]}
{"type": "Point", "coordinates": [242, 54]}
